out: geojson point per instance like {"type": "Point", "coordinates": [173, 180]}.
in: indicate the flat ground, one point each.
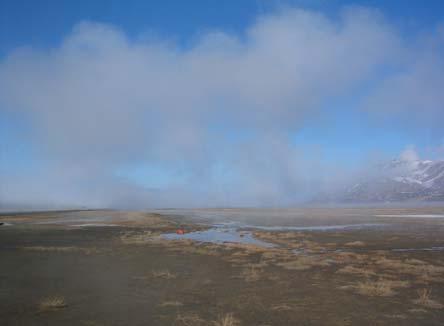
{"type": "Point", "coordinates": [54, 273]}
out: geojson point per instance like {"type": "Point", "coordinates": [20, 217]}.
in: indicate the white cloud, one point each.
{"type": "Point", "coordinates": [100, 100]}
{"type": "Point", "coordinates": [412, 96]}
{"type": "Point", "coordinates": [409, 155]}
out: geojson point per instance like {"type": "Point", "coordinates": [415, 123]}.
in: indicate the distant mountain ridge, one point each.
{"type": "Point", "coordinates": [396, 181]}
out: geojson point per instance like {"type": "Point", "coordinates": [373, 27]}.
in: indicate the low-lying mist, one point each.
{"type": "Point", "coordinates": [209, 124]}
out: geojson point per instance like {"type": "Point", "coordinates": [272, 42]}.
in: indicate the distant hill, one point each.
{"type": "Point", "coordinates": [396, 181]}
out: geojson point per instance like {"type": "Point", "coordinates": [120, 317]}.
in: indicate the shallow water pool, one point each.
{"type": "Point", "coordinates": [220, 235]}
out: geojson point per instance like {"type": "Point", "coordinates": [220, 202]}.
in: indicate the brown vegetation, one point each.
{"type": "Point", "coordinates": [424, 299]}
{"type": "Point", "coordinates": [226, 320]}
{"type": "Point", "coordinates": [52, 303]}
{"type": "Point", "coordinates": [86, 251]}
{"type": "Point", "coordinates": [171, 304]}
{"type": "Point", "coordinates": [381, 287]}
{"type": "Point", "coordinates": [364, 271]}
{"type": "Point", "coordinates": [355, 244]}
{"type": "Point", "coordinates": [165, 274]}
{"type": "Point", "coordinates": [189, 320]}
{"type": "Point", "coordinates": [252, 273]}
{"type": "Point", "coordinates": [300, 263]}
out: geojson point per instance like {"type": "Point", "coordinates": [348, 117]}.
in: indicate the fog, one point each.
{"type": "Point", "coordinates": [217, 116]}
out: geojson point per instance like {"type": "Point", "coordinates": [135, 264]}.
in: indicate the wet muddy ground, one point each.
{"type": "Point", "coordinates": [119, 268]}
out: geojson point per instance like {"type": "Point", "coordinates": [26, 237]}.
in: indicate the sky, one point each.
{"type": "Point", "coordinates": [145, 104]}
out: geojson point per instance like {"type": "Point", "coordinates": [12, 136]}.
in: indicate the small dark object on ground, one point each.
{"type": "Point", "coordinates": [1, 223]}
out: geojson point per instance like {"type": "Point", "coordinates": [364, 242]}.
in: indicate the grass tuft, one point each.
{"type": "Point", "coordinates": [349, 269]}
{"type": "Point", "coordinates": [226, 320]}
{"type": "Point", "coordinates": [171, 304]}
{"type": "Point", "coordinates": [424, 299]}
{"type": "Point", "coordinates": [189, 320]}
{"type": "Point", "coordinates": [252, 273]}
{"type": "Point", "coordinates": [52, 303]}
{"type": "Point", "coordinates": [379, 288]}
{"type": "Point", "coordinates": [165, 274]}
{"type": "Point", "coordinates": [356, 244]}
{"type": "Point", "coordinates": [86, 251]}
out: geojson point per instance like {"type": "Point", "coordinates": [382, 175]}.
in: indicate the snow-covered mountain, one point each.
{"type": "Point", "coordinates": [396, 181]}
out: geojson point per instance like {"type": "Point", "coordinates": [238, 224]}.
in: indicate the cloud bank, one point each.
{"type": "Point", "coordinates": [216, 116]}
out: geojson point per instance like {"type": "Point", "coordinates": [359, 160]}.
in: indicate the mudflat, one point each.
{"type": "Point", "coordinates": [384, 266]}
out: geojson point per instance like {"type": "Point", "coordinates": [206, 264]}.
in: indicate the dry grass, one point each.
{"type": "Point", "coordinates": [424, 299]}
{"type": "Point", "coordinates": [355, 244]}
{"type": "Point", "coordinates": [349, 257]}
{"type": "Point", "coordinates": [301, 263]}
{"type": "Point", "coordinates": [415, 261]}
{"type": "Point", "coordinates": [161, 274]}
{"type": "Point", "coordinates": [309, 246]}
{"type": "Point", "coordinates": [165, 274]}
{"type": "Point", "coordinates": [412, 267]}
{"type": "Point", "coordinates": [356, 271]}
{"type": "Point", "coordinates": [226, 320]}
{"type": "Point", "coordinates": [246, 247]}
{"type": "Point", "coordinates": [86, 251]}
{"type": "Point", "coordinates": [236, 260]}
{"type": "Point", "coordinates": [91, 323]}
{"type": "Point", "coordinates": [187, 246]}
{"type": "Point", "coordinates": [189, 320]}
{"type": "Point", "coordinates": [171, 304]}
{"type": "Point", "coordinates": [194, 320]}
{"type": "Point", "coordinates": [252, 273]}
{"type": "Point", "coordinates": [140, 219]}
{"type": "Point", "coordinates": [380, 288]}
{"type": "Point", "coordinates": [52, 303]}
{"type": "Point", "coordinates": [281, 238]}
{"type": "Point", "coordinates": [283, 307]}
{"type": "Point", "coordinates": [135, 237]}
{"type": "Point", "coordinates": [423, 271]}
{"type": "Point", "coordinates": [274, 256]}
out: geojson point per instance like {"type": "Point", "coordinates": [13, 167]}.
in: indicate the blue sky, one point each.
{"type": "Point", "coordinates": [44, 23]}
{"type": "Point", "coordinates": [373, 107]}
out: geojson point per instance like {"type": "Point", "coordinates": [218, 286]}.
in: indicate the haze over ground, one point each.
{"type": "Point", "coordinates": [138, 105]}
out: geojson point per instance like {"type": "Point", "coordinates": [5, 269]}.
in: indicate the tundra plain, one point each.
{"type": "Point", "coordinates": [117, 268]}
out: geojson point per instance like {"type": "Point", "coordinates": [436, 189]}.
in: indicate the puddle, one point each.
{"type": "Point", "coordinates": [236, 232]}
{"type": "Point", "coordinates": [94, 225]}
{"type": "Point", "coordinates": [219, 235]}
{"type": "Point", "coordinates": [62, 220]}
{"type": "Point", "coordinates": [317, 228]}
{"type": "Point", "coordinates": [308, 252]}
{"type": "Point", "coordinates": [420, 249]}
{"type": "Point", "coordinates": [299, 251]}
{"type": "Point", "coordinates": [414, 215]}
